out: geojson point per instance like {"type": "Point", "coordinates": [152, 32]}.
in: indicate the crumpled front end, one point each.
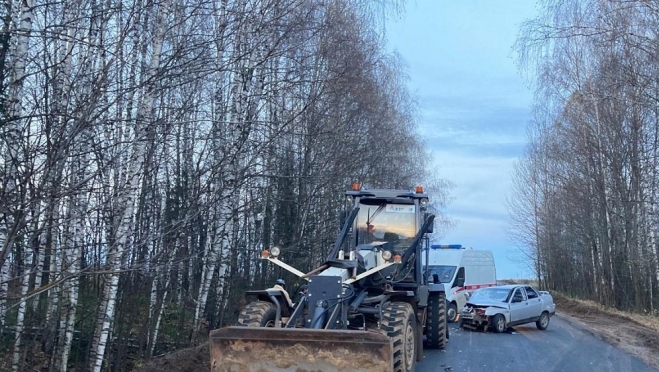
{"type": "Point", "coordinates": [474, 317]}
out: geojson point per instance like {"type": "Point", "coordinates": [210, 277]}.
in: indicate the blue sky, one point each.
{"type": "Point", "coordinates": [474, 108]}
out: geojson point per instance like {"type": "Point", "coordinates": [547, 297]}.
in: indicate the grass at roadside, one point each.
{"type": "Point", "coordinates": [561, 299]}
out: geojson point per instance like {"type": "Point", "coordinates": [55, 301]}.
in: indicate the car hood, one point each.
{"type": "Point", "coordinates": [486, 302]}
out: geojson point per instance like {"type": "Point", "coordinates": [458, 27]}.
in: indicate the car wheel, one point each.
{"type": "Point", "coordinates": [451, 312]}
{"type": "Point", "coordinates": [499, 323]}
{"type": "Point", "coordinates": [543, 322]}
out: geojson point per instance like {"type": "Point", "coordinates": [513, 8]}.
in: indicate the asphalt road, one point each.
{"type": "Point", "coordinates": [562, 347]}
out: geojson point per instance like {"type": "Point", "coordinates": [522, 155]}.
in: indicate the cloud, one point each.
{"type": "Point", "coordinates": [474, 109]}
{"type": "Point", "coordinates": [480, 183]}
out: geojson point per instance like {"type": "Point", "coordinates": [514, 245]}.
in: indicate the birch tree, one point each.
{"type": "Point", "coordinates": [595, 238]}
{"type": "Point", "coordinates": [153, 149]}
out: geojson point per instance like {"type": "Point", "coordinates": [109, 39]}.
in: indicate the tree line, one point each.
{"type": "Point", "coordinates": [586, 191]}
{"type": "Point", "coordinates": [151, 148]}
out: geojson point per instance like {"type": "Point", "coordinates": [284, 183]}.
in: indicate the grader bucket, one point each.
{"type": "Point", "coordinates": [259, 349]}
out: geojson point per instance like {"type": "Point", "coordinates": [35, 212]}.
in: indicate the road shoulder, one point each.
{"type": "Point", "coordinates": [633, 337]}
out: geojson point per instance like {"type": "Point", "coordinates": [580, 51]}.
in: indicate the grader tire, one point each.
{"type": "Point", "coordinates": [399, 324]}
{"type": "Point", "coordinates": [258, 314]}
{"type": "Point", "coordinates": [436, 324]}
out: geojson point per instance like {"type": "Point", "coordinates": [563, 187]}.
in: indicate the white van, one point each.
{"type": "Point", "coordinates": [460, 269]}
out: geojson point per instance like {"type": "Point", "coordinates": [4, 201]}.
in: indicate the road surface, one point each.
{"type": "Point", "coordinates": [562, 347]}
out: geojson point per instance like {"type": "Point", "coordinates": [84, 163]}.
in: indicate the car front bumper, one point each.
{"type": "Point", "coordinates": [469, 319]}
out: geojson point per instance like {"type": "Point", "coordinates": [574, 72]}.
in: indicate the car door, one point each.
{"type": "Point", "coordinates": [535, 302]}
{"type": "Point", "coordinates": [518, 305]}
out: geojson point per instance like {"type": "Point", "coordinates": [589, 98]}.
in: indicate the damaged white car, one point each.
{"type": "Point", "coordinates": [505, 306]}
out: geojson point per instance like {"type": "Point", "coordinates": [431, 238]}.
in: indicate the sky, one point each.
{"type": "Point", "coordinates": [474, 108]}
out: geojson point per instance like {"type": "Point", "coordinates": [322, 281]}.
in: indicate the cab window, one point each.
{"type": "Point", "coordinates": [459, 278]}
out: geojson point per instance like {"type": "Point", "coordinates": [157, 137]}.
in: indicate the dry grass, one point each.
{"type": "Point", "coordinates": [650, 321]}
{"type": "Point", "coordinates": [518, 281]}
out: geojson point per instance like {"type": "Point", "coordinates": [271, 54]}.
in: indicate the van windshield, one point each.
{"type": "Point", "coordinates": [444, 273]}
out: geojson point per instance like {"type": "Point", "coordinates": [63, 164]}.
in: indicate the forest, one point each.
{"type": "Point", "coordinates": [150, 149]}
{"type": "Point", "coordinates": [585, 203]}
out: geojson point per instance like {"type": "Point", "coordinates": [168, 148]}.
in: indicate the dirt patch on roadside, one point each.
{"type": "Point", "coordinates": [638, 335]}
{"type": "Point", "coordinates": [195, 359]}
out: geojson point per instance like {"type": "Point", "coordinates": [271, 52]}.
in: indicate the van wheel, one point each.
{"type": "Point", "coordinates": [451, 312]}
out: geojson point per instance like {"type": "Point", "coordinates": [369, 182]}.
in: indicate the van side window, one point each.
{"type": "Point", "coordinates": [531, 292]}
{"type": "Point", "coordinates": [459, 278]}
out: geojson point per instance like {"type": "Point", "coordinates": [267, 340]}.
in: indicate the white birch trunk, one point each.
{"type": "Point", "coordinates": [4, 286]}
{"type": "Point", "coordinates": [237, 135]}
{"type": "Point", "coordinates": [78, 204]}
{"type": "Point", "coordinates": [38, 265]}
{"type": "Point", "coordinates": [72, 257]}
{"type": "Point", "coordinates": [152, 338]}
{"type": "Point", "coordinates": [69, 249]}
{"type": "Point", "coordinates": [209, 262]}
{"type": "Point", "coordinates": [153, 303]}
{"type": "Point", "coordinates": [192, 259]}
{"type": "Point", "coordinates": [16, 86]}
{"type": "Point", "coordinates": [127, 198]}
{"type": "Point", "coordinates": [156, 328]}
{"type": "Point", "coordinates": [71, 316]}
{"type": "Point", "coordinates": [107, 316]}
{"type": "Point", "coordinates": [223, 242]}
{"type": "Point", "coordinates": [14, 110]}
{"type": "Point", "coordinates": [54, 291]}
{"type": "Point", "coordinates": [179, 290]}
{"type": "Point", "coordinates": [20, 318]}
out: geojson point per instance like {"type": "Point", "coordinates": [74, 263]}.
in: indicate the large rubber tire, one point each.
{"type": "Point", "coordinates": [451, 312]}
{"type": "Point", "coordinates": [258, 314]}
{"type": "Point", "coordinates": [499, 323]}
{"type": "Point", "coordinates": [399, 324]}
{"type": "Point", "coordinates": [543, 322]}
{"type": "Point", "coordinates": [436, 323]}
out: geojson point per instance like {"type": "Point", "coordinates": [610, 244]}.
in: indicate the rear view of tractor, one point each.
{"type": "Point", "coordinates": [368, 306]}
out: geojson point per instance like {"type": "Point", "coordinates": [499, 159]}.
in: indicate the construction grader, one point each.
{"type": "Point", "coordinates": [370, 306]}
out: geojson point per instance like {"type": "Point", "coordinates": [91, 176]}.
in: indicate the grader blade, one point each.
{"type": "Point", "coordinates": [256, 349]}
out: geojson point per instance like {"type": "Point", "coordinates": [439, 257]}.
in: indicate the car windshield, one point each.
{"type": "Point", "coordinates": [444, 273]}
{"type": "Point", "coordinates": [395, 223]}
{"type": "Point", "coordinates": [491, 294]}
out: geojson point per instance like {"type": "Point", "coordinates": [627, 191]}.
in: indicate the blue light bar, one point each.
{"type": "Point", "coordinates": [446, 246]}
